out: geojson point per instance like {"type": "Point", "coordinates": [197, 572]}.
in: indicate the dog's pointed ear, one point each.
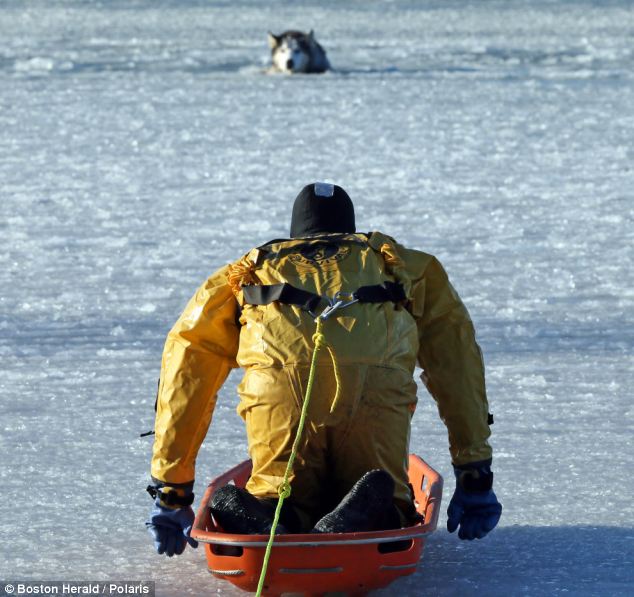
{"type": "Point", "coordinates": [274, 40]}
{"type": "Point", "coordinates": [311, 34]}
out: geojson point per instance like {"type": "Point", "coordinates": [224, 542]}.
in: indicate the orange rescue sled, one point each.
{"type": "Point", "coordinates": [316, 564]}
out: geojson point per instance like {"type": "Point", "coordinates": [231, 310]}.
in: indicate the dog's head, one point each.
{"type": "Point", "coordinates": [291, 51]}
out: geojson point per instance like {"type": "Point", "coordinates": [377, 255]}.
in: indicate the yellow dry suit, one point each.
{"type": "Point", "coordinates": [377, 344]}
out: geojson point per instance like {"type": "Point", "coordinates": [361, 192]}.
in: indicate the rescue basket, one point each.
{"type": "Point", "coordinates": [314, 564]}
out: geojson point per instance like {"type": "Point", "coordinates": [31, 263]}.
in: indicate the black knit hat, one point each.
{"type": "Point", "coordinates": [322, 207]}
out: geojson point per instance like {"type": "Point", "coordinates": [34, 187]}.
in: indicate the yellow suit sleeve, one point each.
{"type": "Point", "coordinates": [199, 352]}
{"type": "Point", "coordinates": [453, 369]}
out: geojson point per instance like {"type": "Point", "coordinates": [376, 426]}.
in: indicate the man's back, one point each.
{"type": "Point", "coordinates": [383, 309]}
{"type": "Point", "coordinates": [333, 265]}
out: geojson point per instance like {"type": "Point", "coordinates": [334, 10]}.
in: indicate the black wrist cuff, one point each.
{"type": "Point", "coordinates": [475, 479]}
{"type": "Point", "coordinates": [170, 498]}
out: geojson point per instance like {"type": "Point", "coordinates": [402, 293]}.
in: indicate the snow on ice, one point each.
{"type": "Point", "coordinates": [141, 147]}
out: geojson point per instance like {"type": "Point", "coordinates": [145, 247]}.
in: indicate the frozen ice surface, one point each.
{"type": "Point", "coordinates": [141, 147]}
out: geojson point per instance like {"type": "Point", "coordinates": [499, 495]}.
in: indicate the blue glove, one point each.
{"type": "Point", "coordinates": [170, 527]}
{"type": "Point", "coordinates": [473, 506]}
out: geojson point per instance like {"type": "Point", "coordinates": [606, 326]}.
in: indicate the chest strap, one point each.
{"type": "Point", "coordinates": [288, 294]}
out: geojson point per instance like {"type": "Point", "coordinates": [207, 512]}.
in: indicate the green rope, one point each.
{"type": "Point", "coordinates": [284, 490]}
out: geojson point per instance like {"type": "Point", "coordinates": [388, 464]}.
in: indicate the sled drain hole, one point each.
{"type": "Point", "coordinates": [234, 551]}
{"type": "Point", "coordinates": [395, 546]}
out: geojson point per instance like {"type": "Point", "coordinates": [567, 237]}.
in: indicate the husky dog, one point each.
{"type": "Point", "coordinates": [297, 52]}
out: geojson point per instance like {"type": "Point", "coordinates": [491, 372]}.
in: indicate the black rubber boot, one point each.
{"type": "Point", "coordinates": [237, 511]}
{"type": "Point", "coordinates": [368, 506]}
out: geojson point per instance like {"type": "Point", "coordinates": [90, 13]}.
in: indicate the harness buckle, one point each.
{"type": "Point", "coordinates": [341, 300]}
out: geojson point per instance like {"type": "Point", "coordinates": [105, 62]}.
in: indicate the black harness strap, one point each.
{"type": "Point", "coordinates": [309, 301]}
{"type": "Point", "coordinates": [381, 293]}
{"type": "Point", "coordinates": [283, 293]}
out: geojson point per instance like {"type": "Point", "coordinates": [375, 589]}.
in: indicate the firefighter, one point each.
{"type": "Point", "coordinates": [385, 308]}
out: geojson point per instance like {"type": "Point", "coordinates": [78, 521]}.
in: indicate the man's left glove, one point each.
{"type": "Point", "coordinates": [171, 520]}
{"type": "Point", "coordinates": [474, 507]}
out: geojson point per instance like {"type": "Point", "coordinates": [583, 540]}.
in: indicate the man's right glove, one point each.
{"type": "Point", "coordinates": [171, 521]}
{"type": "Point", "coordinates": [473, 506]}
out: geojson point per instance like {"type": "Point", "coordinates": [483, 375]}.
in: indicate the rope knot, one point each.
{"type": "Point", "coordinates": [319, 339]}
{"type": "Point", "coordinates": [284, 490]}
